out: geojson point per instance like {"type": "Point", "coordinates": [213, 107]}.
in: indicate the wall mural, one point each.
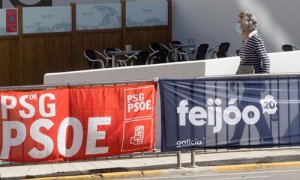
{"type": "Point", "coordinates": [99, 16]}
{"type": "Point", "coordinates": [146, 13]}
{"type": "Point", "coordinates": [47, 19]}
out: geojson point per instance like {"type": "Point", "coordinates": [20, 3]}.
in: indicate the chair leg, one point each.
{"type": "Point", "coordinates": [171, 57]}
{"type": "Point", "coordinates": [215, 55]}
{"type": "Point", "coordinates": [121, 63]}
{"type": "Point", "coordinates": [187, 57]}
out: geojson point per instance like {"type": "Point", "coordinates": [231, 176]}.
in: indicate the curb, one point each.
{"type": "Point", "coordinates": [131, 174]}
{"type": "Point", "coordinates": [78, 177]}
{"type": "Point", "coordinates": [251, 167]}
{"type": "Point", "coordinates": [181, 171]}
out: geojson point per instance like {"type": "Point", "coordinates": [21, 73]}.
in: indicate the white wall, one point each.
{"type": "Point", "coordinates": [213, 21]}
{"type": "Point", "coordinates": [281, 62]}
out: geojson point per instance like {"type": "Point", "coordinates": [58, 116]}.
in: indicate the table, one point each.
{"type": "Point", "coordinates": [177, 46]}
{"type": "Point", "coordinates": [119, 53]}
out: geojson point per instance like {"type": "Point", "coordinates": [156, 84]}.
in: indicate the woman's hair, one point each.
{"type": "Point", "coordinates": [249, 20]}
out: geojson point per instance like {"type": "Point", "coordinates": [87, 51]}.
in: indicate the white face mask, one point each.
{"type": "Point", "coordinates": [238, 28]}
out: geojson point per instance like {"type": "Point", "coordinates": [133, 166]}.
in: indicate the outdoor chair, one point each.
{"type": "Point", "coordinates": [202, 51]}
{"type": "Point", "coordinates": [159, 53]}
{"type": "Point", "coordinates": [95, 59]}
{"type": "Point", "coordinates": [222, 50]}
{"type": "Point", "coordinates": [181, 54]}
{"type": "Point", "coordinates": [288, 47]}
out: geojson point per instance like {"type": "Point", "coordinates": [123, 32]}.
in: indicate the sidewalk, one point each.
{"type": "Point", "coordinates": [161, 162]}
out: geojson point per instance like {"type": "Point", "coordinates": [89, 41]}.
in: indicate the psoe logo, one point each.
{"type": "Point", "coordinates": [214, 114]}
{"type": "Point", "coordinates": [138, 137]}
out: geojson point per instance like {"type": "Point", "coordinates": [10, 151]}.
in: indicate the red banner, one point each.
{"type": "Point", "coordinates": [77, 123]}
{"type": "Point", "coordinates": [11, 20]}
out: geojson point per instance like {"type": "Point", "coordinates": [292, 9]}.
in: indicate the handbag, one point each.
{"type": "Point", "coordinates": [245, 69]}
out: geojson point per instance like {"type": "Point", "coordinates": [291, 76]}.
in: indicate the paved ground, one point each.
{"type": "Point", "coordinates": [157, 164]}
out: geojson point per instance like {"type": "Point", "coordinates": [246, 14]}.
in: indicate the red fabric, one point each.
{"type": "Point", "coordinates": [77, 123]}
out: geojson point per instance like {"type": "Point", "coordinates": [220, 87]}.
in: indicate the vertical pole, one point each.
{"type": "Point", "coordinates": [179, 159]}
{"type": "Point", "coordinates": [123, 26]}
{"type": "Point", "coordinates": [170, 21]}
{"type": "Point", "coordinates": [21, 42]}
{"type": "Point", "coordinates": [193, 159]}
{"type": "Point", "coordinates": [73, 43]}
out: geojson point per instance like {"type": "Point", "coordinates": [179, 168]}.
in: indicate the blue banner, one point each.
{"type": "Point", "coordinates": [220, 113]}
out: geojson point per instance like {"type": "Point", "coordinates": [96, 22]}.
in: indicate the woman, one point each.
{"type": "Point", "coordinates": [252, 53]}
{"type": "Point", "coordinates": [252, 50]}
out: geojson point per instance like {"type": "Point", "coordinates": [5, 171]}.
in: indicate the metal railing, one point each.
{"type": "Point", "coordinates": [157, 152]}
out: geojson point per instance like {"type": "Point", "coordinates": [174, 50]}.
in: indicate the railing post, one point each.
{"type": "Point", "coordinates": [179, 159]}
{"type": "Point", "coordinates": [193, 159]}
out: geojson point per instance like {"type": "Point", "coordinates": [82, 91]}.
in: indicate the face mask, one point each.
{"type": "Point", "coordinates": [238, 28]}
